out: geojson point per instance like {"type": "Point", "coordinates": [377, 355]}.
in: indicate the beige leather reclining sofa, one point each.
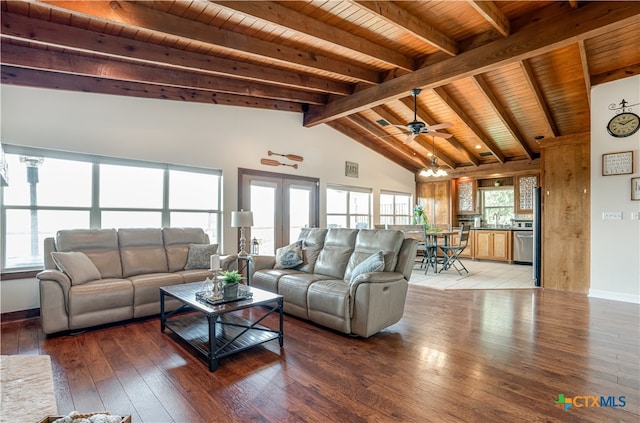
{"type": "Point", "coordinates": [131, 265]}
{"type": "Point", "coordinates": [329, 289]}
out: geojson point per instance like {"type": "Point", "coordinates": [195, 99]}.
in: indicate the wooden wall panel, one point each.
{"type": "Point", "coordinates": [435, 197]}
{"type": "Point", "coordinates": [566, 213]}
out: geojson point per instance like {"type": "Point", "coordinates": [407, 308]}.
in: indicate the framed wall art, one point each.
{"type": "Point", "coordinates": [617, 163]}
{"type": "Point", "coordinates": [635, 189]}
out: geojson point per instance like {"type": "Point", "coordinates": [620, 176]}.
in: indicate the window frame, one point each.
{"type": "Point", "coordinates": [95, 211]}
{"type": "Point", "coordinates": [395, 218]}
{"type": "Point", "coordinates": [350, 189]}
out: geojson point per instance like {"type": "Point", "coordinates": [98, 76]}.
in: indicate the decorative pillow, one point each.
{"type": "Point", "coordinates": [77, 266]}
{"type": "Point", "coordinates": [373, 263]}
{"type": "Point", "coordinates": [289, 257]}
{"type": "Point", "coordinates": [200, 256]}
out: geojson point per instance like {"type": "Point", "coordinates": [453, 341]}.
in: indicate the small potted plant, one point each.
{"type": "Point", "coordinates": [230, 283]}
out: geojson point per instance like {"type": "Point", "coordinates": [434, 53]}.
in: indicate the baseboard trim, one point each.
{"type": "Point", "coordinates": [20, 315]}
{"type": "Point", "coordinates": [615, 296]}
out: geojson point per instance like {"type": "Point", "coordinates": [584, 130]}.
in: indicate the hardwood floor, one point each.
{"type": "Point", "coordinates": [459, 355]}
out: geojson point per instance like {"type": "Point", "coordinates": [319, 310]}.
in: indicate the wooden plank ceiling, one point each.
{"type": "Point", "coordinates": [503, 73]}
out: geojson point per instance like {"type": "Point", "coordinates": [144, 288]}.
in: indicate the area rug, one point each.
{"type": "Point", "coordinates": [26, 388]}
{"type": "Point", "coordinates": [482, 275]}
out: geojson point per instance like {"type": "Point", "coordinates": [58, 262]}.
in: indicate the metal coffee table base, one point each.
{"type": "Point", "coordinates": [215, 332]}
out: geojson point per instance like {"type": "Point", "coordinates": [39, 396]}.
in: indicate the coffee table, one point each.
{"type": "Point", "coordinates": [219, 330]}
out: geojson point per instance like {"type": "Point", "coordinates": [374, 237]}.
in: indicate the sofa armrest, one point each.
{"type": "Point", "coordinates": [56, 276]}
{"type": "Point", "coordinates": [374, 277]}
{"type": "Point", "coordinates": [54, 289]}
{"type": "Point", "coordinates": [263, 262]}
{"type": "Point", "coordinates": [227, 260]}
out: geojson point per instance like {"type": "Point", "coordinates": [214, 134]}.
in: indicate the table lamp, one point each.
{"type": "Point", "coordinates": [242, 219]}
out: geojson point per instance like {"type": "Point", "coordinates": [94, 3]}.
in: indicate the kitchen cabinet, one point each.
{"type": "Point", "coordinates": [524, 193]}
{"type": "Point", "coordinates": [435, 197]}
{"type": "Point", "coordinates": [466, 196]}
{"type": "Point", "coordinates": [492, 245]}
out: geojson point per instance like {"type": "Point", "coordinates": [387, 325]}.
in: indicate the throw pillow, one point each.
{"type": "Point", "coordinates": [77, 266]}
{"type": "Point", "coordinates": [373, 263]}
{"type": "Point", "coordinates": [200, 256]}
{"type": "Point", "coordinates": [289, 257]}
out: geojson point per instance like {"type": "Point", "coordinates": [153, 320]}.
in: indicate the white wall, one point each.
{"type": "Point", "coordinates": [615, 244]}
{"type": "Point", "coordinates": [204, 135]}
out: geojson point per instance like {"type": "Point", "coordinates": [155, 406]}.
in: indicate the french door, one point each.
{"type": "Point", "coordinates": [281, 205]}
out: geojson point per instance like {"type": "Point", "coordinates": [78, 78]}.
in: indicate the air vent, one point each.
{"type": "Point", "coordinates": [486, 153]}
{"type": "Point", "coordinates": [382, 122]}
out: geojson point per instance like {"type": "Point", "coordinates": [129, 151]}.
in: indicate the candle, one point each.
{"type": "Point", "coordinates": [215, 262]}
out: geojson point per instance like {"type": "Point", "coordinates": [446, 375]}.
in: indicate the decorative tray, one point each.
{"type": "Point", "coordinates": [206, 298]}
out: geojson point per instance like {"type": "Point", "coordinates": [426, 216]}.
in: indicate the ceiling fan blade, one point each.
{"type": "Point", "coordinates": [410, 137]}
{"type": "Point", "coordinates": [394, 135]}
{"type": "Point", "coordinates": [438, 134]}
{"type": "Point", "coordinates": [442, 125]}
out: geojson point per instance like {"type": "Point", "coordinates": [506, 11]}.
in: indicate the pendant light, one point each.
{"type": "Point", "coordinates": [434, 169]}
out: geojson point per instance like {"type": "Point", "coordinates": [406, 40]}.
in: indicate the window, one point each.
{"type": "Point", "coordinates": [395, 208]}
{"type": "Point", "coordinates": [49, 191]}
{"type": "Point", "coordinates": [348, 207]}
{"type": "Point", "coordinates": [497, 206]}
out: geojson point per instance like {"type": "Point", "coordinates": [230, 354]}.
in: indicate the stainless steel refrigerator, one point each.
{"type": "Point", "coordinates": [537, 236]}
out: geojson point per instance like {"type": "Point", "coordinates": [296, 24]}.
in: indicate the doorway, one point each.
{"type": "Point", "coordinates": [281, 204]}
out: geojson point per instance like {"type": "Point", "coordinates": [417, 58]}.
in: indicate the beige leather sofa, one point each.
{"type": "Point", "coordinates": [131, 263]}
{"type": "Point", "coordinates": [323, 288]}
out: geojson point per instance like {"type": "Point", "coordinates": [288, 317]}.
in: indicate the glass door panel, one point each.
{"type": "Point", "coordinates": [281, 204]}
{"type": "Point", "coordinates": [263, 200]}
{"type": "Point", "coordinates": [299, 211]}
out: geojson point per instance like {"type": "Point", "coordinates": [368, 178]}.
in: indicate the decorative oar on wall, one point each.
{"type": "Point", "coordinates": [270, 162]}
{"type": "Point", "coordinates": [293, 157]}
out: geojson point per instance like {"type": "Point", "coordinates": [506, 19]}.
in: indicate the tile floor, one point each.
{"type": "Point", "coordinates": [482, 275]}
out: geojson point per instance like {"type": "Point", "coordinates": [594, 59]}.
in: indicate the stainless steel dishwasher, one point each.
{"type": "Point", "coordinates": [523, 246]}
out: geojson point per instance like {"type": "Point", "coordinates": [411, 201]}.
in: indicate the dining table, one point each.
{"type": "Point", "coordinates": [433, 240]}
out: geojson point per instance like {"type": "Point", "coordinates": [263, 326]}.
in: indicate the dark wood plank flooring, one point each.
{"type": "Point", "coordinates": [456, 356]}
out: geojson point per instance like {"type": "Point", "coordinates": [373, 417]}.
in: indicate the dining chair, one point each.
{"type": "Point", "coordinates": [430, 251]}
{"type": "Point", "coordinates": [452, 252]}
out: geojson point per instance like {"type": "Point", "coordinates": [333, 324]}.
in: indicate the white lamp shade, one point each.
{"type": "Point", "coordinates": [241, 219]}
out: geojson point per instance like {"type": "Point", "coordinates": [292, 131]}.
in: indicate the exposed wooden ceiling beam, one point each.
{"type": "Point", "coordinates": [539, 97]}
{"type": "Point", "coordinates": [546, 35]}
{"type": "Point", "coordinates": [502, 114]}
{"type": "Point", "coordinates": [616, 74]}
{"type": "Point", "coordinates": [137, 16]}
{"type": "Point", "coordinates": [347, 128]}
{"type": "Point", "coordinates": [426, 117]}
{"type": "Point", "coordinates": [407, 22]}
{"type": "Point", "coordinates": [466, 119]}
{"type": "Point", "coordinates": [584, 61]}
{"type": "Point", "coordinates": [37, 78]}
{"type": "Point", "coordinates": [299, 22]}
{"type": "Point", "coordinates": [490, 12]}
{"type": "Point", "coordinates": [87, 66]}
{"type": "Point", "coordinates": [52, 34]}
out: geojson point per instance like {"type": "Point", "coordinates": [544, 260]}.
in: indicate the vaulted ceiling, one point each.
{"type": "Point", "coordinates": [502, 73]}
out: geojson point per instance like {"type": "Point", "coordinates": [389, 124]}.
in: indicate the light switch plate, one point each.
{"type": "Point", "coordinates": [611, 215]}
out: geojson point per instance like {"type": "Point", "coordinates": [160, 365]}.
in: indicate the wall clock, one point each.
{"type": "Point", "coordinates": [623, 124]}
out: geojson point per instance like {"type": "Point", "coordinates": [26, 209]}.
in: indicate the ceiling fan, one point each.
{"type": "Point", "coordinates": [416, 127]}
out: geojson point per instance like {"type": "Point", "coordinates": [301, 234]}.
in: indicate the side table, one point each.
{"type": "Point", "coordinates": [244, 267]}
